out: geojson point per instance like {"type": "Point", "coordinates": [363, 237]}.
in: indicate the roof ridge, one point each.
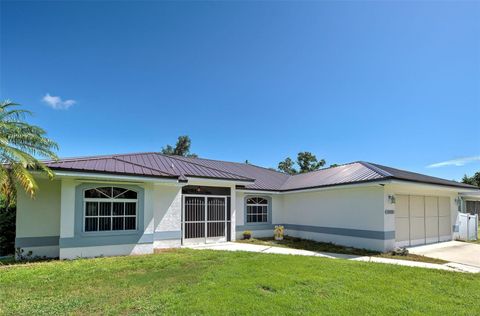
{"type": "Point", "coordinates": [96, 157]}
{"type": "Point", "coordinates": [322, 169]}
{"type": "Point", "coordinates": [140, 165]}
{"type": "Point", "coordinates": [376, 169]}
{"type": "Point", "coordinates": [235, 162]}
{"type": "Point", "coordinates": [417, 173]}
{"type": "Point", "coordinates": [197, 164]}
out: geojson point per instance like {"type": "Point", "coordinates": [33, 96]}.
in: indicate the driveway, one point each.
{"type": "Point", "coordinates": [453, 251]}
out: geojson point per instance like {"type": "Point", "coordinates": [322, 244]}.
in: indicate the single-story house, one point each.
{"type": "Point", "coordinates": [135, 203]}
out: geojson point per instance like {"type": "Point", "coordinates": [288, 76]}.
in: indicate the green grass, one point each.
{"type": "Point", "coordinates": [218, 283]}
{"type": "Point", "coordinates": [305, 244]}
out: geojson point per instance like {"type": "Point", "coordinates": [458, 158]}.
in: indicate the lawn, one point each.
{"type": "Point", "coordinates": [214, 282]}
{"type": "Point", "coordinates": [298, 243]}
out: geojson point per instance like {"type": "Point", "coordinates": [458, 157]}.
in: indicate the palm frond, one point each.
{"type": "Point", "coordinates": [20, 145]}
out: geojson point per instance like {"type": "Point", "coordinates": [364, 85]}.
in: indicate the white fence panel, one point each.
{"type": "Point", "coordinates": [473, 227]}
{"type": "Point", "coordinates": [467, 226]}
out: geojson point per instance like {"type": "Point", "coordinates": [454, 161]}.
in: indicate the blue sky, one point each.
{"type": "Point", "coordinates": [387, 82]}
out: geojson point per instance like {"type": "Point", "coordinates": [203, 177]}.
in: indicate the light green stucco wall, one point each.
{"type": "Point", "coordinates": [40, 216]}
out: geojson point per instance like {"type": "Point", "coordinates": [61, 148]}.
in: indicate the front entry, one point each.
{"type": "Point", "coordinates": [204, 219]}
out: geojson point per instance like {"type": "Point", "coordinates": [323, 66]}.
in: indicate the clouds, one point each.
{"type": "Point", "coordinates": [57, 103]}
{"type": "Point", "coordinates": [455, 162]}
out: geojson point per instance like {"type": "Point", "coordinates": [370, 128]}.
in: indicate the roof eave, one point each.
{"type": "Point", "coordinates": [444, 185]}
{"type": "Point", "coordinates": [88, 174]}
{"type": "Point", "coordinates": [190, 177]}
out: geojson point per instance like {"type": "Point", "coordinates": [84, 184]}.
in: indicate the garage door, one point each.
{"type": "Point", "coordinates": [422, 219]}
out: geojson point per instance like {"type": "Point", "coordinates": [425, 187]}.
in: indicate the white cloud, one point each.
{"type": "Point", "coordinates": [57, 103]}
{"type": "Point", "coordinates": [455, 162]}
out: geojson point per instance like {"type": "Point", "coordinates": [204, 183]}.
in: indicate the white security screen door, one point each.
{"type": "Point", "coordinates": [204, 219]}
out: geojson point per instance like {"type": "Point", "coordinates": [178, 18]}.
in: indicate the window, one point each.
{"type": "Point", "coordinates": [257, 210]}
{"type": "Point", "coordinates": [110, 209]}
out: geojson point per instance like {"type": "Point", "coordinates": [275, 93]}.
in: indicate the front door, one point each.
{"type": "Point", "coordinates": [204, 219]}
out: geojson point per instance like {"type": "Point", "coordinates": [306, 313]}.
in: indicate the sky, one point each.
{"type": "Point", "coordinates": [396, 83]}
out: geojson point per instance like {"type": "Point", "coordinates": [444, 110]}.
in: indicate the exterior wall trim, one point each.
{"type": "Point", "coordinates": [262, 226]}
{"type": "Point", "coordinates": [22, 242]}
{"type": "Point", "coordinates": [106, 241]}
{"type": "Point", "coordinates": [168, 235]}
{"type": "Point", "coordinates": [349, 232]}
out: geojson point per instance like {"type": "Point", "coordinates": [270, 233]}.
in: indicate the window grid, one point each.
{"type": "Point", "coordinates": [257, 210]}
{"type": "Point", "coordinates": [110, 213]}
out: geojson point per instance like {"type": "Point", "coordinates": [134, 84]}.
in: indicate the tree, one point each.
{"type": "Point", "coordinates": [182, 148]}
{"type": "Point", "coordinates": [287, 166]}
{"type": "Point", "coordinates": [306, 162]}
{"type": "Point", "coordinates": [473, 180]}
{"type": "Point", "coordinates": [20, 144]}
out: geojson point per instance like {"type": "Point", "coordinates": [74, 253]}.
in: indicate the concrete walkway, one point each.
{"type": "Point", "coordinates": [232, 246]}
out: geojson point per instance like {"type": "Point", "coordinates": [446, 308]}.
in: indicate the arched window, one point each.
{"type": "Point", "coordinates": [110, 209]}
{"type": "Point", "coordinates": [257, 210]}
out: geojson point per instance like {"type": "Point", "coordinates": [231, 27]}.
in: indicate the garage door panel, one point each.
{"type": "Point", "coordinates": [444, 206]}
{"type": "Point", "coordinates": [417, 228]}
{"type": "Point", "coordinates": [422, 219]}
{"type": "Point", "coordinates": [401, 206]}
{"type": "Point", "coordinates": [431, 228]}
{"type": "Point", "coordinates": [417, 206]}
{"type": "Point", "coordinates": [445, 228]}
{"type": "Point", "coordinates": [402, 229]}
{"type": "Point", "coordinates": [431, 206]}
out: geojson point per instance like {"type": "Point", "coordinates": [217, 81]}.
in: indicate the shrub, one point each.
{"type": "Point", "coordinates": [7, 231]}
{"type": "Point", "coordinates": [400, 251]}
{"type": "Point", "coordinates": [247, 234]}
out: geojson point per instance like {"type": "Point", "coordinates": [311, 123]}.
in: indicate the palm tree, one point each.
{"type": "Point", "coordinates": [20, 144]}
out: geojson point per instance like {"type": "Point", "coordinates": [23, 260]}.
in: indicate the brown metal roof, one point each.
{"type": "Point", "coordinates": [257, 178]}
{"type": "Point", "coordinates": [144, 164]}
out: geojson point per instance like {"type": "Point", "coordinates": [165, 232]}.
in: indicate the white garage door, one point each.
{"type": "Point", "coordinates": [422, 219]}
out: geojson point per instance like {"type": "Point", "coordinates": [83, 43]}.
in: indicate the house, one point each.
{"type": "Point", "coordinates": [135, 203]}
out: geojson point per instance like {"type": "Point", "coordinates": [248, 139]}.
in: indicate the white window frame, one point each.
{"type": "Point", "coordinates": [111, 216]}
{"type": "Point", "coordinates": [264, 212]}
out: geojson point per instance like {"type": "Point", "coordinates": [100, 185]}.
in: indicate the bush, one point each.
{"type": "Point", "coordinates": [247, 234]}
{"type": "Point", "coordinates": [400, 252]}
{"type": "Point", "coordinates": [7, 231]}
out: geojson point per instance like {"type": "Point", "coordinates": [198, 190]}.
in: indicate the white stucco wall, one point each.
{"type": "Point", "coordinates": [341, 212]}
{"type": "Point", "coordinates": [356, 208]}
{"type": "Point", "coordinates": [39, 217]}
{"type": "Point", "coordinates": [167, 216]}
{"type": "Point", "coordinates": [67, 215]}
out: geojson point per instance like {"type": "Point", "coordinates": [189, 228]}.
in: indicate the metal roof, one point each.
{"type": "Point", "coordinates": [144, 164]}
{"type": "Point", "coordinates": [256, 178]}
